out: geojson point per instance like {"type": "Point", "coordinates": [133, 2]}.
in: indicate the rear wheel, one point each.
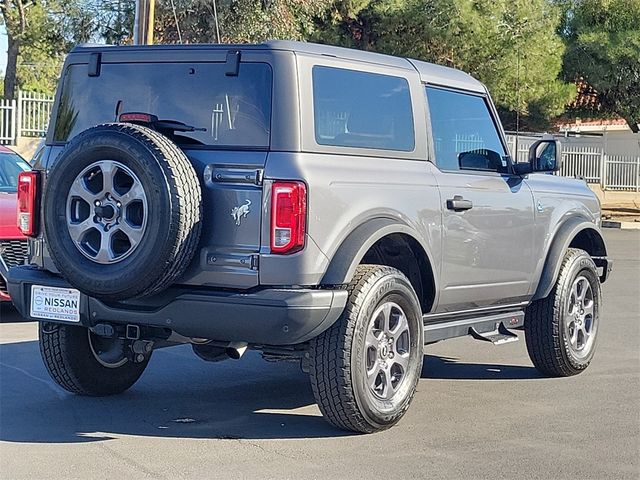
{"type": "Point", "coordinates": [364, 369]}
{"type": "Point", "coordinates": [86, 364]}
{"type": "Point", "coordinates": [561, 329]}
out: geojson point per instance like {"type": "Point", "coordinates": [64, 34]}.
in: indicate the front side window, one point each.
{"type": "Point", "coordinates": [464, 133]}
{"type": "Point", "coordinates": [362, 110]}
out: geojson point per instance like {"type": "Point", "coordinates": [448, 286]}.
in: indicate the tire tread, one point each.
{"type": "Point", "coordinates": [330, 359]}
{"type": "Point", "coordinates": [543, 327]}
{"type": "Point", "coordinates": [53, 346]}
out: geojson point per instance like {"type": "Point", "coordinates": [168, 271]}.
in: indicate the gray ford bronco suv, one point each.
{"type": "Point", "coordinates": [335, 207]}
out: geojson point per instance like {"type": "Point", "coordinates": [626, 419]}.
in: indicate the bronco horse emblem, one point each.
{"type": "Point", "coordinates": [242, 211]}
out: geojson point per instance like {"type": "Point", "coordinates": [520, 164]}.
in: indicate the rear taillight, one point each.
{"type": "Point", "coordinates": [27, 203]}
{"type": "Point", "coordinates": [288, 216]}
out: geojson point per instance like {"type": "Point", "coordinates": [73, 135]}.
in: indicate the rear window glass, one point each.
{"type": "Point", "coordinates": [229, 111]}
{"type": "Point", "coordinates": [364, 110]}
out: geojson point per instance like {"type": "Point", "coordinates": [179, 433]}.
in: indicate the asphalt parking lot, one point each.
{"type": "Point", "coordinates": [480, 412]}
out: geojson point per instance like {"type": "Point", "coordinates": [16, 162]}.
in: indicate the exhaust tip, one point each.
{"type": "Point", "coordinates": [235, 350]}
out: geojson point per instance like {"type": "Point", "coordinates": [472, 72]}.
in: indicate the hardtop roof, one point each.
{"type": "Point", "coordinates": [429, 72]}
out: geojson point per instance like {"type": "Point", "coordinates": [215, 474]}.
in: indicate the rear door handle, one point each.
{"type": "Point", "coordinates": [459, 204]}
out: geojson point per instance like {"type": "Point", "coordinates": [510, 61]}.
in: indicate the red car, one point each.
{"type": "Point", "coordinates": [13, 245]}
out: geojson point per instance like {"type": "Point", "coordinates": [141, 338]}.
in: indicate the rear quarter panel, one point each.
{"type": "Point", "coordinates": [344, 192]}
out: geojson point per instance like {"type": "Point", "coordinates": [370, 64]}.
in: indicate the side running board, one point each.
{"type": "Point", "coordinates": [490, 328]}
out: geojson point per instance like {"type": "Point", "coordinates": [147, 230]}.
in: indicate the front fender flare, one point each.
{"type": "Point", "coordinates": [559, 244]}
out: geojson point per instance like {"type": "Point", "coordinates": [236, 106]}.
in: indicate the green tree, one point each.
{"type": "Point", "coordinates": [38, 36]}
{"type": "Point", "coordinates": [101, 21]}
{"type": "Point", "coordinates": [42, 52]}
{"type": "Point", "coordinates": [15, 15]}
{"type": "Point", "coordinates": [239, 21]}
{"type": "Point", "coordinates": [603, 49]}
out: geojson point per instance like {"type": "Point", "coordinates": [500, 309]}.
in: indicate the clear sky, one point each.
{"type": "Point", "coordinates": [3, 49]}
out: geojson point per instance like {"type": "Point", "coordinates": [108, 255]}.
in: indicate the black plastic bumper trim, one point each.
{"type": "Point", "coordinates": [274, 316]}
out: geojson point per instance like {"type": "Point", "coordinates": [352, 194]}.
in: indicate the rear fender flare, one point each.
{"type": "Point", "coordinates": [343, 265]}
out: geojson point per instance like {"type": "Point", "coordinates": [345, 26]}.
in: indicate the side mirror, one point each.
{"type": "Point", "coordinates": [483, 160]}
{"type": "Point", "coordinates": [545, 156]}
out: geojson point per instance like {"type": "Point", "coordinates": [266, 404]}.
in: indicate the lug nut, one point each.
{"type": "Point", "coordinates": [118, 204]}
{"type": "Point", "coordinates": [97, 203]}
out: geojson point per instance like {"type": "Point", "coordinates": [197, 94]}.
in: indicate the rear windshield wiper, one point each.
{"type": "Point", "coordinates": [163, 126]}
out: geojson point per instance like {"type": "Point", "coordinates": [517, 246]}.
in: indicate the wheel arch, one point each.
{"type": "Point", "coordinates": [576, 232]}
{"type": "Point", "coordinates": [360, 247]}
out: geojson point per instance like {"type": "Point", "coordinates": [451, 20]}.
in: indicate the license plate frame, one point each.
{"type": "Point", "coordinates": [55, 304]}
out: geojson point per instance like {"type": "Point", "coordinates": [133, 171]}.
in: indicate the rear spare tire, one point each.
{"type": "Point", "coordinates": [122, 212]}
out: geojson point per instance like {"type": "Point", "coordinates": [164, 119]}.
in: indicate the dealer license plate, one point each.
{"type": "Point", "coordinates": [52, 303]}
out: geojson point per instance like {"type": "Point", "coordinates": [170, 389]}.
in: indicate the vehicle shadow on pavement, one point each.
{"type": "Point", "coordinates": [447, 368]}
{"type": "Point", "coordinates": [180, 396]}
{"type": "Point", "coordinates": [8, 314]}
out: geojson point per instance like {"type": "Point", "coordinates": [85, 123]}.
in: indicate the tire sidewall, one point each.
{"type": "Point", "coordinates": [101, 144]}
{"type": "Point", "coordinates": [582, 265]}
{"type": "Point", "coordinates": [77, 359]}
{"type": "Point", "coordinates": [396, 288]}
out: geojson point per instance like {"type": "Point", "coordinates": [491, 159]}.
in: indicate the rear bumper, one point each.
{"type": "Point", "coordinates": [276, 316]}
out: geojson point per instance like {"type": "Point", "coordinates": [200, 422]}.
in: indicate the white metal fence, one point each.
{"type": "Point", "coordinates": [612, 172]}
{"type": "Point", "coordinates": [7, 121]}
{"type": "Point", "coordinates": [35, 110]}
{"type": "Point", "coordinates": [25, 116]}
{"type": "Point", "coordinates": [621, 173]}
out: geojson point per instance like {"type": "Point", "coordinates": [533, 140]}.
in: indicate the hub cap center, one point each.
{"type": "Point", "coordinates": [106, 212]}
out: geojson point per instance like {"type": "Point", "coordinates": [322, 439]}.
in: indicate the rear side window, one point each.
{"type": "Point", "coordinates": [363, 110]}
{"type": "Point", "coordinates": [464, 133]}
{"type": "Point", "coordinates": [228, 111]}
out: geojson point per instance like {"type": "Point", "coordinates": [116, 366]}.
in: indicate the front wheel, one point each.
{"type": "Point", "coordinates": [364, 369]}
{"type": "Point", "coordinates": [86, 364]}
{"type": "Point", "coordinates": [561, 329]}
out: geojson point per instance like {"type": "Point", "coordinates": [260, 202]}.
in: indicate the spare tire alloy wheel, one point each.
{"type": "Point", "coordinates": [106, 212]}
{"type": "Point", "coordinates": [122, 212]}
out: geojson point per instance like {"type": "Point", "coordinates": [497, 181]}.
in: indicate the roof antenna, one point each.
{"type": "Point", "coordinates": [175, 18]}
{"type": "Point", "coordinates": [215, 16]}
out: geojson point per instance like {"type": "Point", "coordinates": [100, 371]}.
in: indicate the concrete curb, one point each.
{"type": "Point", "coordinates": [621, 225]}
